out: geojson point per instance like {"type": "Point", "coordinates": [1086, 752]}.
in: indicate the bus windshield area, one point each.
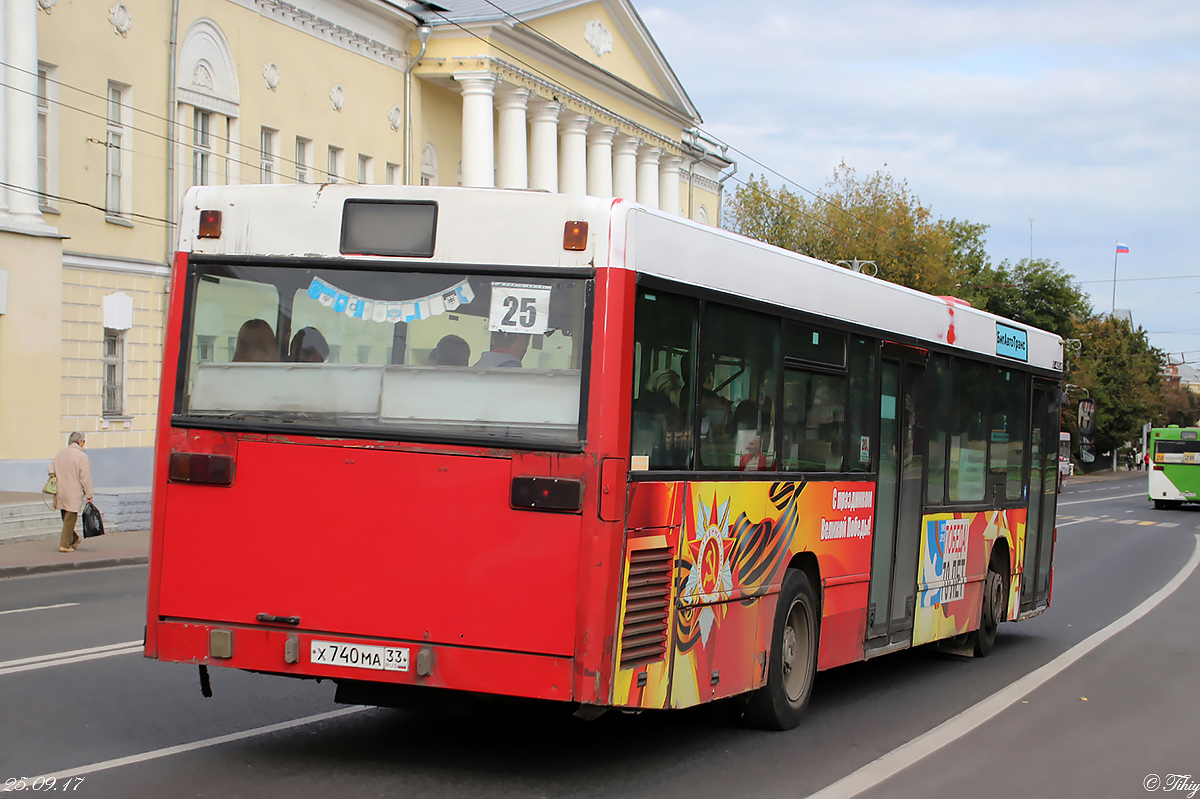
{"type": "Point", "coordinates": [1167, 451]}
{"type": "Point", "coordinates": [383, 353]}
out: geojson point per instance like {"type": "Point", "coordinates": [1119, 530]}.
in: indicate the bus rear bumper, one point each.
{"type": "Point", "coordinates": [292, 653]}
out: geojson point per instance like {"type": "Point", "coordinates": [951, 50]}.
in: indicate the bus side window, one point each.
{"type": "Point", "coordinates": [814, 409]}
{"type": "Point", "coordinates": [743, 348]}
{"type": "Point", "coordinates": [664, 346]}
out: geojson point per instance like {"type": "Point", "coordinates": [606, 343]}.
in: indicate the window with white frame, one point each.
{"type": "Point", "coordinates": [335, 163]}
{"type": "Point", "coordinates": [366, 169]}
{"type": "Point", "coordinates": [114, 373]}
{"type": "Point", "coordinates": [266, 159]}
{"type": "Point", "coordinates": [392, 174]}
{"type": "Point", "coordinates": [47, 136]}
{"type": "Point", "coordinates": [202, 153]}
{"type": "Point", "coordinates": [116, 145]}
{"type": "Point", "coordinates": [303, 155]}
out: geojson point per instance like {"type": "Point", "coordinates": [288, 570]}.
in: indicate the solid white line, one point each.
{"type": "Point", "coordinates": [1078, 521]}
{"type": "Point", "coordinates": [40, 607]}
{"type": "Point", "coordinates": [191, 747]}
{"type": "Point", "coordinates": [952, 729]}
{"type": "Point", "coordinates": [1094, 501]}
{"type": "Point", "coordinates": [63, 658]}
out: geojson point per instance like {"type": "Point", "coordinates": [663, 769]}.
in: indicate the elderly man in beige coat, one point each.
{"type": "Point", "coordinates": [74, 474]}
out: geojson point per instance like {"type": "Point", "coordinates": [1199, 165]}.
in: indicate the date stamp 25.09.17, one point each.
{"type": "Point", "coordinates": [47, 784]}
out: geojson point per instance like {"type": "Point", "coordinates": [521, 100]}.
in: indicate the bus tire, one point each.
{"type": "Point", "coordinates": [992, 612]}
{"type": "Point", "coordinates": [792, 664]}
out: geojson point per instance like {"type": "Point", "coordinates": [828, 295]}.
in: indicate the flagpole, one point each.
{"type": "Point", "coordinates": [1114, 303]}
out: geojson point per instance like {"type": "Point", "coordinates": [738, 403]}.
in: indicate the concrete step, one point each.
{"type": "Point", "coordinates": [25, 520]}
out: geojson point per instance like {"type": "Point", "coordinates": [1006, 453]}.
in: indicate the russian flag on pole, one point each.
{"type": "Point", "coordinates": [1122, 247]}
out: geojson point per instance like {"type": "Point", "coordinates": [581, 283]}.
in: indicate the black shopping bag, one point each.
{"type": "Point", "coordinates": [93, 524]}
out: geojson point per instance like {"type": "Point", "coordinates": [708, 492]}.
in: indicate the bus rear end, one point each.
{"type": "Point", "coordinates": [1174, 473]}
{"type": "Point", "coordinates": [370, 464]}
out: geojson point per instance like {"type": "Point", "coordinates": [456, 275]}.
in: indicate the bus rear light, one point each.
{"type": "Point", "coordinates": [200, 468]}
{"type": "Point", "coordinates": [575, 236]}
{"type": "Point", "coordinates": [1158, 468]}
{"type": "Point", "coordinates": [210, 225]}
{"type": "Point", "coordinates": [547, 493]}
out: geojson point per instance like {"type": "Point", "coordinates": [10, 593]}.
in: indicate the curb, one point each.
{"type": "Point", "coordinates": [72, 565]}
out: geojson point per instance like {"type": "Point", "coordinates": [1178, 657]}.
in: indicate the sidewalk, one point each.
{"type": "Point", "coordinates": [40, 555]}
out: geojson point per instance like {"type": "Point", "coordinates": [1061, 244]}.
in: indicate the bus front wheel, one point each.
{"type": "Point", "coordinates": [779, 704]}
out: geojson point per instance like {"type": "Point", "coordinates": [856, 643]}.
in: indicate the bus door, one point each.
{"type": "Point", "coordinates": [1043, 483]}
{"type": "Point", "coordinates": [897, 531]}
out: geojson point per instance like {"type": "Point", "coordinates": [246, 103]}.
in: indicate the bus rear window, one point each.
{"type": "Point", "coordinates": [384, 354]}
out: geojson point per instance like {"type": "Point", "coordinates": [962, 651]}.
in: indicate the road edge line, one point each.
{"type": "Point", "coordinates": [952, 729]}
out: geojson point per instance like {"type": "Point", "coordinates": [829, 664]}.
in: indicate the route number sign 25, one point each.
{"type": "Point", "coordinates": [519, 308]}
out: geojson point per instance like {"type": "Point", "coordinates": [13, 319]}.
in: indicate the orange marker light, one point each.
{"type": "Point", "coordinates": [210, 225]}
{"type": "Point", "coordinates": [575, 236]}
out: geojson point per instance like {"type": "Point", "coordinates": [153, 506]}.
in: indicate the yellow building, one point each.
{"type": "Point", "coordinates": [111, 109]}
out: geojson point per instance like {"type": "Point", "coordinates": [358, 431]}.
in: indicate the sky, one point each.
{"type": "Point", "coordinates": [1081, 115]}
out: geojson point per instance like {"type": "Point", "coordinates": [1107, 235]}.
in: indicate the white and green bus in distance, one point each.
{"type": "Point", "coordinates": [1174, 475]}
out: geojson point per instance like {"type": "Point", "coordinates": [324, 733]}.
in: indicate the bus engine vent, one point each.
{"type": "Point", "coordinates": [647, 604]}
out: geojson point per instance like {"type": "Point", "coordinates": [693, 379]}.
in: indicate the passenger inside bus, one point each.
{"type": "Point", "coordinates": [451, 350]}
{"type": "Point", "coordinates": [256, 342]}
{"type": "Point", "coordinates": [715, 410]}
{"type": "Point", "coordinates": [507, 350]}
{"type": "Point", "coordinates": [659, 425]}
{"type": "Point", "coordinates": [308, 346]}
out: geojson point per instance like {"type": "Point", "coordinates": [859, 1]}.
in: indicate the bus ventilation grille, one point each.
{"type": "Point", "coordinates": [647, 603]}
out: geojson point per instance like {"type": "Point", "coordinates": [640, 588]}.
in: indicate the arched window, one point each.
{"type": "Point", "coordinates": [429, 169]}
{"type": "Point", "coordinates": [207, 98]}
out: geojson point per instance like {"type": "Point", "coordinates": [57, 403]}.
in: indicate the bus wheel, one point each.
{"type": "Point", "coordinates": [995, 603]}
{"type": "Point", "coordinates": [793, 658]}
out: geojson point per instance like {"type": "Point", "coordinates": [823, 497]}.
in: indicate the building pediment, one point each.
{"type": "Point", "coordinates": [587, 44]}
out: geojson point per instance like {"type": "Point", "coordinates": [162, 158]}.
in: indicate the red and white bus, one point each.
{"type": "Point", "coordinates": [576, 449]}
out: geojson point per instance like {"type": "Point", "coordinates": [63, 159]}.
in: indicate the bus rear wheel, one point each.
{"type": "Point", "coordinates": [792, 664]}
{"type": "Point", "coordinates": [995, 605]}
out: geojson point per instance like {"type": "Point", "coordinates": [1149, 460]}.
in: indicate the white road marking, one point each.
{"type": "Point", "coordinates": [156, 754]}
{"type": "Point", "coordinates": [63, 658]}
{"type": "Point", "coordinates": [40, 607]}
{"type": "Point", "coordinates": [1093, 501]}
{"type": "Point", "coordinates": [952, 729]}
{"type": "Point", "coordinates": [1079, 521]}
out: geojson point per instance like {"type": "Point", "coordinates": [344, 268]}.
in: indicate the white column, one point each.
{"type": "Point", "coordinates": [572, 152]}
{"type": "Point", "coordinates": [20, 35]}
{"type": "Point", "coordinates": [478, 128]}
{"type": "Point", "coordinates": [600, 161]}
{"type": "Point", "coordinates": [513, 169]}
{"type": "Point", "coordinates": [543, 145]}
{"type": "Point", "coordinates": [647, 175]}
{"type": "Point", "coordinates": [668, 183]}
{"type": "Point", "coordinates": [625, 167]}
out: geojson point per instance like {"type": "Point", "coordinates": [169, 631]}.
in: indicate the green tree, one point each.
{"type": "Point", "coordinates": [1181, 407]}
{"type": "Point", "coordinates": [1038, 293]}
{"type": "Point", "coordinates": [876, 218]}
{"type": "Point", "coordinates": [1123, 374]}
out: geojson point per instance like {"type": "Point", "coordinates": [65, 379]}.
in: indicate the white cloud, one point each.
{"type": "Point", "coordinates": [1081, 114]}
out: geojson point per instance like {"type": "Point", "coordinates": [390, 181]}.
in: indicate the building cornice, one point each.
{"type": "Point", "coordinates": [331, 32]}
{"type": "Point", "coordinates": [124, 266]}
{"type": "Point", "coordinates": [549, 90]}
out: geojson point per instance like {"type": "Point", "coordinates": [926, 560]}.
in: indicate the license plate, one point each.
{"type": "Point", "coordinates": [359, 656]}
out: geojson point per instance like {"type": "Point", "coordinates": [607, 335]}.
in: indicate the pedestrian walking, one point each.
{"type": "Point", "coordinates": [74, 473]}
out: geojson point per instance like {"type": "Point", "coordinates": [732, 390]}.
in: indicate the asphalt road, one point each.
{"type": "Point", "coordinates": [911, 724]}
